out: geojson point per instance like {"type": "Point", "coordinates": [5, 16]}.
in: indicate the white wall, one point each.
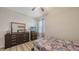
{"type": "Point", "coordinates": [7, 16]}
{"type": "Point", "coordinates": [62, 23]}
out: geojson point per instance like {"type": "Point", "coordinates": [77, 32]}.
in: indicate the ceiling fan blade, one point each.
{"type": "Point", "coordinates": [33, 8]}
{"type": "Point", "coordinates": [42, 9]}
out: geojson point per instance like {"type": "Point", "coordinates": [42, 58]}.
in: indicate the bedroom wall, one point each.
{"type": "Point", "coordinates": [62, 23]}
{"type": "Point", "coordinates": [7, 16]}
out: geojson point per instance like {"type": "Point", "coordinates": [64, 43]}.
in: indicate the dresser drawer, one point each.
{"type": "Point", "coordinates": [24, 40]}
{"type": "Point", "coordinates": [13, 35]}
{"type": "Point", "coordinates": [13, 43]}
{"type": "Point", "coordinates": [13, 40]}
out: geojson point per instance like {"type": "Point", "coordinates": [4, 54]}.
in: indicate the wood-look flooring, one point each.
{"type": "Point", "coordinates": [22, 47]}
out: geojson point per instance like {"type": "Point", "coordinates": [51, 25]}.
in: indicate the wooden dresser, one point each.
{"type": "Point", "coordinates": [15, 39]}
{"type": "Point", "coordinates": [33, 35]}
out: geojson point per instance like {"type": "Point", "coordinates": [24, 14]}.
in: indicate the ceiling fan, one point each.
{"type": "Point", "coordinates": [42, 9]}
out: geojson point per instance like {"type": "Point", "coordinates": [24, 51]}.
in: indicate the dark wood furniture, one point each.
{"type": "Point", "coordinates": [34, 35]}
{"type": "Point", "coordinates": [19, 36]}
{"type": "Point", "coordinates": [15, 39]}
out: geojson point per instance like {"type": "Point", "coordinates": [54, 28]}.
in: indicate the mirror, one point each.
{"type": "Point", "coordinates": [17, 27]}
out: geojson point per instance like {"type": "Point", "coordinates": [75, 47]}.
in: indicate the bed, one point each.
{"type": "Point", "coordinates": [55, 45]}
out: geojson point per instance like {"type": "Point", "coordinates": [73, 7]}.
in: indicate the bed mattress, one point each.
{"type": "Point", "coordinates": [56, 45]}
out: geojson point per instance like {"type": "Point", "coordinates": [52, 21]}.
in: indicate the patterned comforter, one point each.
{"type": "Point", "coordinates": [56, 45]}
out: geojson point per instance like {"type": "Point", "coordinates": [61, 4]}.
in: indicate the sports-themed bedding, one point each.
{"type": "Point", "coordinates": [56, 45]}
